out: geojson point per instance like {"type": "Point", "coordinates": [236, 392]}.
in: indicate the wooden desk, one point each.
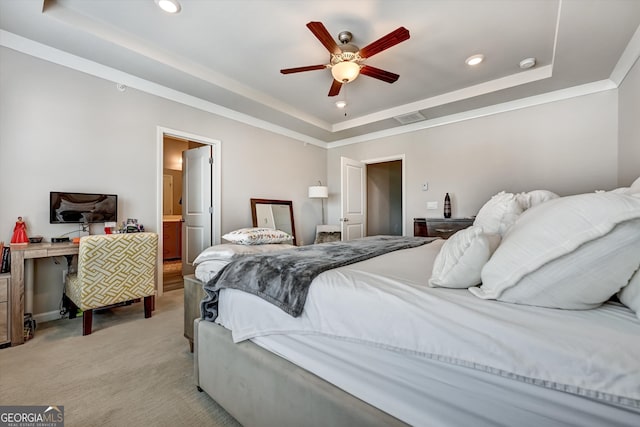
{"type": "Point", "coordinates": [18, 254]}
{"type": "Point", "coordinates": [439, 227]}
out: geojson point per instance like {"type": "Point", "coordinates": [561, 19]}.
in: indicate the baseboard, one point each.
{"type": "Point", "coordinates": [47, 317]}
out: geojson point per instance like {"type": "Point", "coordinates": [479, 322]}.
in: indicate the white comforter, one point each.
{"type": "Point", "coordinates": [385, 301]}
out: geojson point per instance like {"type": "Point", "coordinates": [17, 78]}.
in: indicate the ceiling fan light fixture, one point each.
{"type": "Point", "coordinates": [345, 72]}
{"type": "Point", "coordinates": [475, 59]}
{"type": "Point", "coordinates": [341, 104]}
{"type": "Point", "coordinates": [169, 6]}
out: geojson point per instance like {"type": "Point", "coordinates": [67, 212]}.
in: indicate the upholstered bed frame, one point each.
{"type": "Point", "coordinates": [259, 388]}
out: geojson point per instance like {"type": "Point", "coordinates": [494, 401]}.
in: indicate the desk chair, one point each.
{"type": "Point", "coordinates": [112, 269]}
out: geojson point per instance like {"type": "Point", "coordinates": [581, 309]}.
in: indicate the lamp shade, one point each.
{"type": "Point", "coordinates": [318, 192]}
{"type": "Point", "coordinates": [345, 72]}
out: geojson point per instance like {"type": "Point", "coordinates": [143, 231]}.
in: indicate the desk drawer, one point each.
{"type": "Point", "coordinates": [4, 289]}
{"type": "Point", "coordinates": [445, 228]}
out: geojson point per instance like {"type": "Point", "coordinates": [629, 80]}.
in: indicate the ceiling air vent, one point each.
{"type": "Point", "coordinates": [405, 119]}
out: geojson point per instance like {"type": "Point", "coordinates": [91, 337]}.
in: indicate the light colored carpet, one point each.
{"type": "Point", "coordinates": [130, 371]}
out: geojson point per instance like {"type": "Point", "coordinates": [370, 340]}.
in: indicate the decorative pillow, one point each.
{"type": "Point", "coordinates": [534, 198]}
{"type": "Point", "coordinates": [228, 250]}
{"type": "Point", "coordinates": [499, 213]}
{"type": "Point", "coordinates": [635, 187]}
{"type": "Point", "coordinates": [572, 252]}
{"type": "Point", "coordinates": [461, 258]}
{"type": "Point", "coordinates": [630, 294]}
{"type": "Point", "coordinates": [257, 236]}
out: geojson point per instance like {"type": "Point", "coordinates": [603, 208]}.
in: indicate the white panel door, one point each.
{"type": "Point", "coordinates": [197, 204]}
{"type": "Point", "coordinates": [353, 216]}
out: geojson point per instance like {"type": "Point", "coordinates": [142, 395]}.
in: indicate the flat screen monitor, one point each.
{"type": "Point", "coordinates": [74, 208]}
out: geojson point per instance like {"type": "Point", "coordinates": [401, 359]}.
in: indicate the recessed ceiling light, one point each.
{"type": "Point", "coordinates": [527, 63]}
{"type": "Point", "coordinates": [341, 104]}
{"type": "Point", "coordinates": [169, 6]}
{"type": "Point", "coordinates": [475, 59]}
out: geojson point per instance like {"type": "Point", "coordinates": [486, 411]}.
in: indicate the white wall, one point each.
{"type": "Point", "coordinates": [629, 127]}
{"type": "Point", "coordinates": [568, 147]}
{"type": "Point", "coordinates": [62, 130]}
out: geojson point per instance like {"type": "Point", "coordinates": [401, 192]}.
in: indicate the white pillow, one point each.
{"type": "Point", "coordinates": [572, 252]}
{"type": "Point", "coordinates": [208, 269]}
{"type": "Point", "coordinates": [461, 258]}
{"type": "Point", "coordinates": [534, 198]}
{"type": "Point", "coordinates": [257, 236]}
{"type": "Point", "coordinates": [228, 250]}
{"type": "Point", "coordinates": [635, 187]}
{"type": "Point", "coordinates": [499, 213]}
{"type": "Point", "coordinates": [630, 294]}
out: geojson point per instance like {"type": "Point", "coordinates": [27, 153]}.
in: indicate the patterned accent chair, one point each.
{"type": "Point", "coordinates": [112, 269]}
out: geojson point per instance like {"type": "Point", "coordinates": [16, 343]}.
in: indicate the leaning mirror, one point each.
{"type": "Point", "coordinates": [276, 214]}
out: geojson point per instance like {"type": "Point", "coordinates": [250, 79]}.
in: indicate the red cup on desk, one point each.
{"type": "Point", "coordinates": [109, 227]}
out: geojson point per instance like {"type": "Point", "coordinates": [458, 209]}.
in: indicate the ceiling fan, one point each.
{"type": "Point", "coordinates": [347, 60]}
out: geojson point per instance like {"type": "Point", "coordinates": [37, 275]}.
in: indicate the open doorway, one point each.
{"type": "Point", "coordinates": [384, 198]}
{"type": "Point", "coordinates": [372, 205]}
{"type": "Point", "coordinates": [172, 210]}
{"type": "Point", "coordinates": [172, 228]}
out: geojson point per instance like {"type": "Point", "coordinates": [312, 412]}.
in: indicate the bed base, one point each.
{"type": "Point", "coordinates": [259, 388]}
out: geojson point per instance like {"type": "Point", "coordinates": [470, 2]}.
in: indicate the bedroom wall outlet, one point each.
{"type": "Point", "coordinates": [432, 205]}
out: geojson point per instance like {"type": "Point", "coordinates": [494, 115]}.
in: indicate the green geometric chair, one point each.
{"type": "Point", "coordinates": [112, 269]}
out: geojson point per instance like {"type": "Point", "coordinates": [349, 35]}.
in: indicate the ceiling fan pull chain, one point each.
{"type": "Point", "coordinates": [346, 104]}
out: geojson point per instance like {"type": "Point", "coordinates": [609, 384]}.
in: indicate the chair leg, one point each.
{"type": "Point", "coordinates": [149, 302]}
{"type": "Point", "coordinates": [87, 317]}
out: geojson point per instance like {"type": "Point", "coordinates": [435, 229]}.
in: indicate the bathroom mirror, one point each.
{"type": "Point", "coordinates": [276, 214]}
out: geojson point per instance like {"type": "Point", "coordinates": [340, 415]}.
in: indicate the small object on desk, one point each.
{"type": "Point", "coordinates": [5, 259]}
{"type": "Point", "coordinates": [109, 227]}
{"type": "Point", "coordinates": [59, 239]}
{"type": "Point", "coordinates": [447, 206]}
{"type": "Point", "coordinates": [35, 239]}
{"type": "Point", "coordinates": [19, 236]}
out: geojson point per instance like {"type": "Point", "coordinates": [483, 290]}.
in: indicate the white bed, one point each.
{"type": "Point", "coordinates": [444, 357]}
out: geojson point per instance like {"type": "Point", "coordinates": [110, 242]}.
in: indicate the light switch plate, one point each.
{"type": "Point", "coordinates": [432, 205]}
{"type": "Point", "coordinates": [425, 186]}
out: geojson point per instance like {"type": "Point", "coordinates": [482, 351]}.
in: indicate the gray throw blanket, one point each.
{"type": "Point", "coordinates": [283, 278]}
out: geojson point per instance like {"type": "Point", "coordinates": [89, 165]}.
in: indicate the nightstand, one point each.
{"type": "Point", "coordinates": [193, 294]}
{"type": "Point", "coordinates": [439, 227]}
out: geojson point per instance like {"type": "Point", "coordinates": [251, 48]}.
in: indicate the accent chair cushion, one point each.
{"type": "Point", "coordinates": [113, 268]}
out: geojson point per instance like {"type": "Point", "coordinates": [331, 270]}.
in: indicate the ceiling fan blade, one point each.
{"type": "Point", "coordinates": [301, 69]}
{"type": "Point", "coordinates": [320, 31]}
{"type": "Point", "coordinates": [335, 87]}
{"type": "Point", "coordinates": [385, 42]}
{"type": "Point", "coordinates": [379, 74]}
